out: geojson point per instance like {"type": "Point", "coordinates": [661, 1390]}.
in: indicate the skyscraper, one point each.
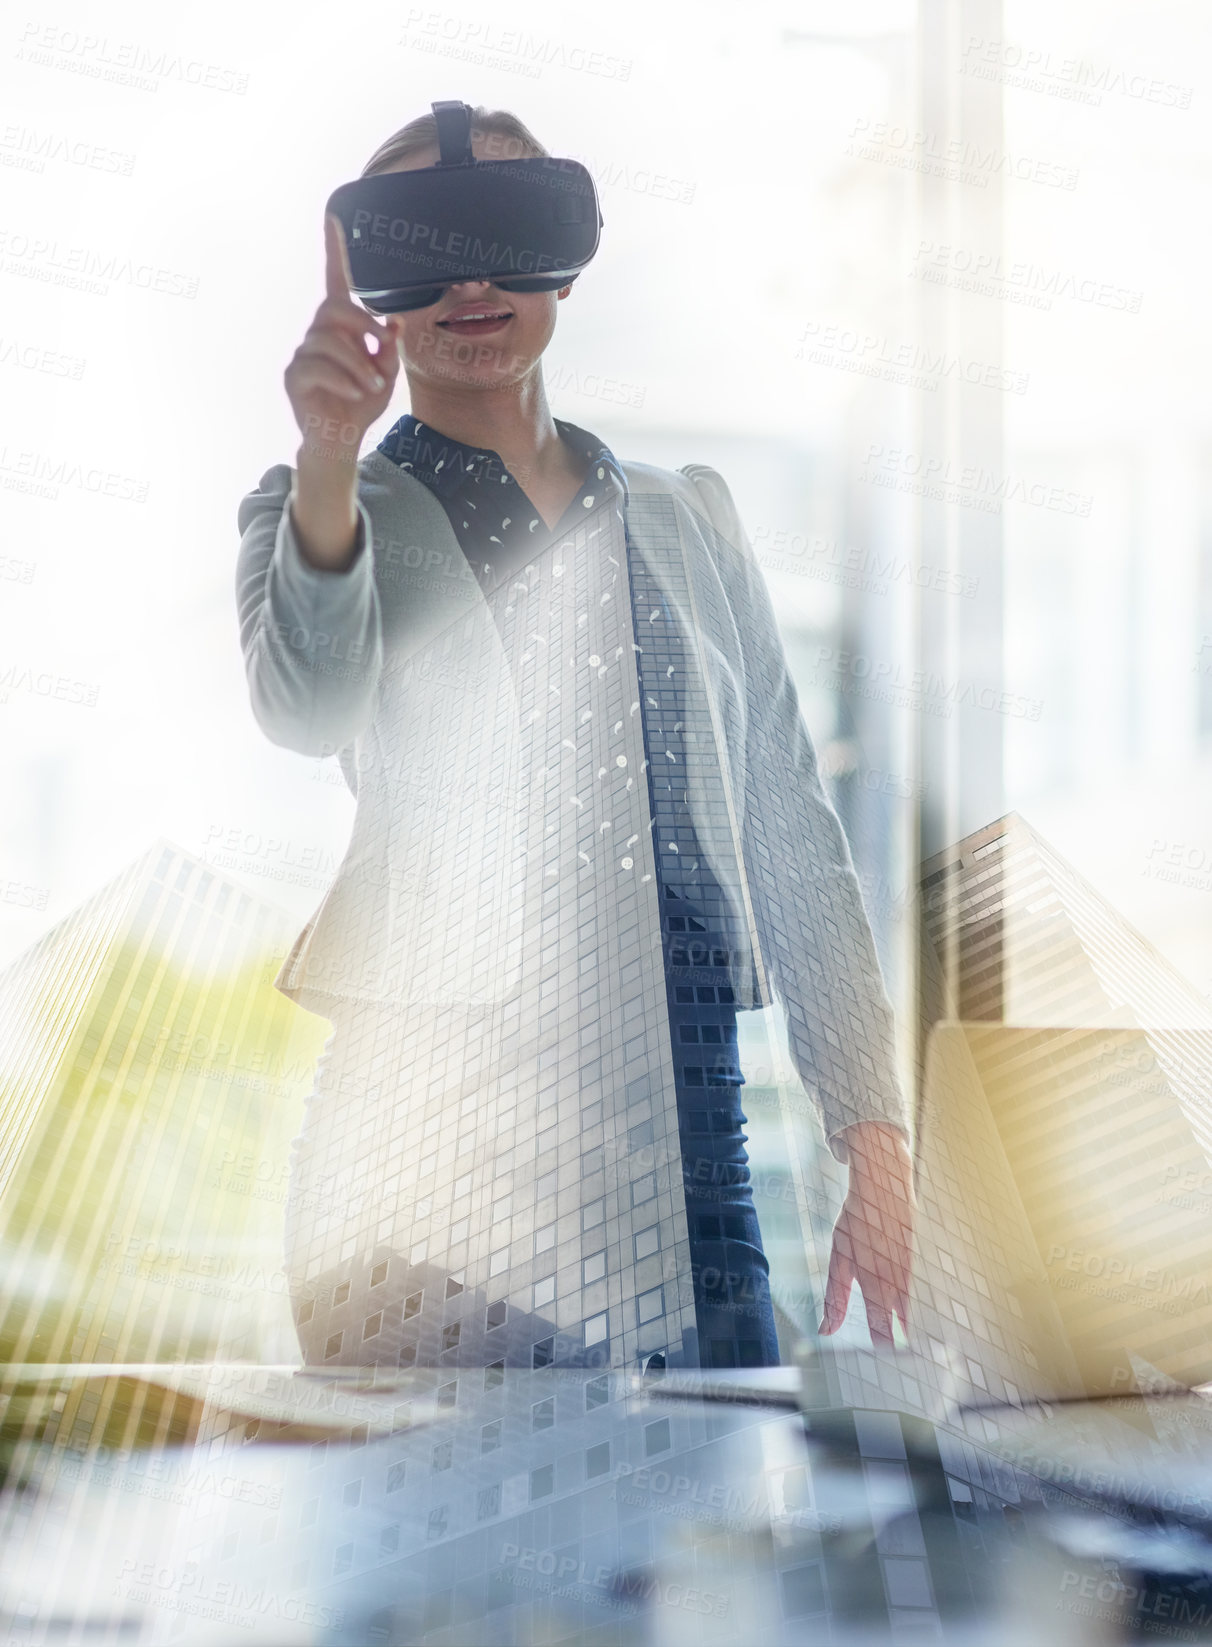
{"type": "Point", "coordinates": [527, 1488]}
{"type": "Point", "coordinates": [1093, 1056]}
{"type": "Point", "coordinates": [527, 898]}
{"type": "Point", "coordinates": [149, 1083]}
{"type": "Point", "coordinates": [539, 1212]}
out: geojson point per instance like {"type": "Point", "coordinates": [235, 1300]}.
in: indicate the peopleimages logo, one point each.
{"type": "Point", "coordinates": [1036, 68]}
{"type": "Point", "coordinates": [907, 362]}
{"type": "Point", "coordinates": [81, 268]}
{"type": "Point", "coordinates": [47, 685]}
{"type": "Point", "coordinates": [968, 269]}
{"type": "Point", "coordinates": [572, 1577]}
{"type": "Point", "coordinates": [48, 472]}
{"type": "Point", "coordinates": [488, 42]}
{"type": "Point", "coordinates": [1132, 1603]}
{"type": "Point", "coordinates": [189, 1589]}
{"type": "Point", "coordinates": [959, 159]}
{"type": "Point", "coordinates": [886, 680]}
{"type": "Point", "coordinates": [971, 485]}
{"type": "Point", "coordinates": [123, 62]}
{"type": "Point", "coordinates": [1181, 863]}
{"type": "Point", "coordinates": [34, 358]}
{"type": "Point", "coordinates": [871, 568]}
{"type": "Point", "coordinates": [1126, 1274]}
{"type": "Point", "coordinates": [29, 150]}
{"type": "Point", "coordinates": [375, 231]}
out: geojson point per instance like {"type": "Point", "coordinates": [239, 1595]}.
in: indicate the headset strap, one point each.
{"type": "Point", "coordinates": [454, 133]}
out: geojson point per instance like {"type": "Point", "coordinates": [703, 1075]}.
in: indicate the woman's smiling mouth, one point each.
{"type": "Point", "coordinates": [472, 320]}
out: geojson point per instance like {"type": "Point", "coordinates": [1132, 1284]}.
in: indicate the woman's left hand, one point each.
{"type": "Point", "coordinates": [873, 1235]}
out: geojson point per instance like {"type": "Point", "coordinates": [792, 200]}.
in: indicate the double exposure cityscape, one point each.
{"type": "Point", "coordinates": [605, 1003]}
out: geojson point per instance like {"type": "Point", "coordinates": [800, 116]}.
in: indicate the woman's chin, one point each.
{"type": "Point", "coordinates": [479, 375]}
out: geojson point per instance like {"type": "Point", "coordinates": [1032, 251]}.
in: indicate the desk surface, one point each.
{"type": "Point", "coordinates": [580, 1506]}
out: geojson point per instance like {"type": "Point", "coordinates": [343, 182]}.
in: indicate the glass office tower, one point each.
{"type": "Point", "coordinates": [149, 1080]}
{"type": "Point", "coordinates": [1091, 1057]}
{"type": "Point", "coordinates": [537, 1214]}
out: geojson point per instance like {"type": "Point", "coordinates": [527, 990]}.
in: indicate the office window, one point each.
{"type": "Point", "coordinates": [907, 1583]}
{"type": "Point", "coordinates": [803, 1591]}
{"type": "Point", "coordinates": [657, 1438]}
{"type": "Point", "coordinates": [542, 1414]}
{"type": "Point", "coordinates": [650, 1305]}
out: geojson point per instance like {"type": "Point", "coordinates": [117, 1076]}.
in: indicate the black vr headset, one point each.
{"type": "Point", "coordinates": [525, 225]}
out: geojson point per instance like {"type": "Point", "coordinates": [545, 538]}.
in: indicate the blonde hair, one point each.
{"type": "Point", "coordinates": [509, 139]}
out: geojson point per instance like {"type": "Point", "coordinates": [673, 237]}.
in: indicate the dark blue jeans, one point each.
{"type": "Point", "coordinates": [729, 1268]}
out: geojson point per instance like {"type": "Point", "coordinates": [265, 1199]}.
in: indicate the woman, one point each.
{"type": "Point", "coordinates": [561, 882]}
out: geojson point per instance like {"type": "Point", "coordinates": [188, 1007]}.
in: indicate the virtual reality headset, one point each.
{"type": "Point", "coordinates": [525, 225]}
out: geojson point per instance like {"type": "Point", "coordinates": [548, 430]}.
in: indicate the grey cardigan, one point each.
{"type": "Point", "coordinates": [349, 663]}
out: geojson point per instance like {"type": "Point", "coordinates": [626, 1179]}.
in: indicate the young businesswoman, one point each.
{"type": "Point", "coordinates": [481, 463]}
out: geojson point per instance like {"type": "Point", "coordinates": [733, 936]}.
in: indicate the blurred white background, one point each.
{"type": "Point", "coordinates": [755, 213]}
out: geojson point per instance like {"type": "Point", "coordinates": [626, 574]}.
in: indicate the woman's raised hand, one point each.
{"type": "Point", "coordinates": [336, 385]}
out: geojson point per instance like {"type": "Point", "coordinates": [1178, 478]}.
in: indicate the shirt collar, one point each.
{"type": "Point", "coordinates": [595, 451]}
{"type": "Point", "coordinates": [446, 464]}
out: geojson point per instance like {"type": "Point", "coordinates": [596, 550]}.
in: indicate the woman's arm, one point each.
{"type": "Point", "coordinates": [821, 956]}
{"type": "Point", "coordinates": [817, 941]}
{"type": "Point", "coordinates": [311, 637]}
{"type": "Point", "coordinates": [310, 624]}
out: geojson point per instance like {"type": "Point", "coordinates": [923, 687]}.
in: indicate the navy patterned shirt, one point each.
{"type": "Point", "coordinates": [497, 526]}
